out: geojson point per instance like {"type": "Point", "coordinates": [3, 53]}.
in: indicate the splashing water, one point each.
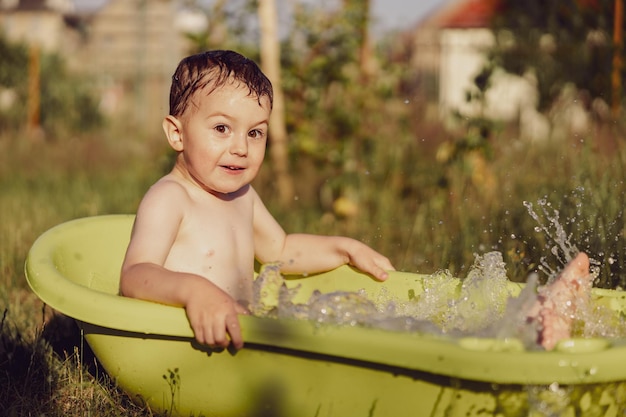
{"type": "Point", "coordinates": [560, 237]}
{"type": "Point", "coordinates": [484, 294]}
{"type": "Point", "coordinates": [447, 305]}
{"type": "Point", "coordinates": [562, 249]}
{"type": "Point", "coordinates": [480, 305]}
{"type": "Point", "coordinates": [589, 320]}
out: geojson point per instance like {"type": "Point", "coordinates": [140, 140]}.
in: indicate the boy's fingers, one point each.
{"type": "Point", "coordinates": [219, 335]}
{"type": "Point", "coordinates": [234, 330]}
{"type": "Point", "coordinates": [241, 309]}
{"type": "Point", "coordinates": [202, 336]}
{"type": "Point", "coordinates": [380, 274]}
{"type": "Point", "coordinates": [385, 264]}
{"type": "Point", "coordinates": [378, 269]}
{"type": "Point", "coordinates": [382, 269]}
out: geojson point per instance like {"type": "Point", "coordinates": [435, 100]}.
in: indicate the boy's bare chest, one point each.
{"type": "Point", "coordinates": [215, 231]}
{"type": "Point", "coordinates": [217, 243]}
{"type": "Point", "coordinates": [221, 225]}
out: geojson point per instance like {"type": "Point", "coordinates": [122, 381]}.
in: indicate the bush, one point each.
{"type": "Point", "coordinates": [67, 102]}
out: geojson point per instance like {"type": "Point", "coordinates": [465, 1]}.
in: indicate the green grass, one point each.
{"type": "Point", "coordinates": [425, 214]}
{"type": "Point", "coordinates": [43, 368]}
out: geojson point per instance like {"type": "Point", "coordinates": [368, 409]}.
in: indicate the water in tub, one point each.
{"type": "Point", "coordinates": [539, 316]}
{"type": "Point", "coordinates": [482, 305]}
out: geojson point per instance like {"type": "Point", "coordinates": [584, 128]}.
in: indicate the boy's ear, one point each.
{"type": "Point", "coordinates": [173, 130]}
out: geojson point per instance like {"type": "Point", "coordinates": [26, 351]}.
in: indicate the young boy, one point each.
{"type": "Point", "coordinates": [199, 228]}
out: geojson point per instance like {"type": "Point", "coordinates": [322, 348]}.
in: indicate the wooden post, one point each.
{"type": "Point", "coordinates": [34, 90]}
{"type": "Point", "coordinates": [365, 55]}
{"type": "Point", "coordinates": [270, 61]}
{"type": "Point", "coordinates": [618, 46]}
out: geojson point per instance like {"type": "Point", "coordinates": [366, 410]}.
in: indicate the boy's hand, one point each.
{"type": "Point", "coordinates": [212, 314]}
{"type": "Point", "coordinates": [368, 260]}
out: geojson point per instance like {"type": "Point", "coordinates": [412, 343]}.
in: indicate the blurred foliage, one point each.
{"type": "Point", "coordinates": [340, 122]}
{"type": "Point", "coordinates": [366, 161]}
{"type": "Point", "coordinates": [68, 103]}
{"type": "Point", "coordinates": [560, 41]}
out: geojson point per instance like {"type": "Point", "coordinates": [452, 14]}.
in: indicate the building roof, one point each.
{"type": "Point", "coordinates": [468, 14]}
{"type": "Point", "coordinates": [36, 5]}
{"type": "Point", "coordinates": [24, 5]}
{"type": "Point", "coordinates": [473, 14]}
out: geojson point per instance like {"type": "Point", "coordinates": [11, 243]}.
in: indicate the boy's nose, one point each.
{"type": "Point", "coordinates": [239, 145]}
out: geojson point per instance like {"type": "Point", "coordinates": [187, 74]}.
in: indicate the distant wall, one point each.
{"type": "Point", "coordinates": [45, 29]}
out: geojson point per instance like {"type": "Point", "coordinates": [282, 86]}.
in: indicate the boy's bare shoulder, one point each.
{"type": "Point", "coordinates": [166, 195]}
{"type": "Point", "coordinates": [170, 187]}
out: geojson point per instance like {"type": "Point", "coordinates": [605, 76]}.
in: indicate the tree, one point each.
{"type": "Point", "coordinates": [270, 61]}
{"type": "Point", "coordinates": [60, 102]}
{"type": "Point", "coordinates": [618, 41]}
{"type": "Point", "coordinates": [360, 12]}
{"type": "Point", "coordinates": [563, 41]}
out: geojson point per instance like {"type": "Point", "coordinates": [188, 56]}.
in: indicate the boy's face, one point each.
{"type": "Point", "coordinates": [223, 137]}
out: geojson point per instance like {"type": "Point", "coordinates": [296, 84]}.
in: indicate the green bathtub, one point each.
{"type": "Point", "coordinates": [294, 368]}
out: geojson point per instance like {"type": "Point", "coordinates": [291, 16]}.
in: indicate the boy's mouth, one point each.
{"type": "Point", "coordinates": [232, 167]}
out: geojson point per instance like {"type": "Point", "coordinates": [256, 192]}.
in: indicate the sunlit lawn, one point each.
{"type": "Point", "coordinates": [44, 184]}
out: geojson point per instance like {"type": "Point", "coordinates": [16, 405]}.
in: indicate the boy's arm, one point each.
{"type": "Point", "coordinates": [212, 313]}
{"type": "Point", "coordinates": [313, 253]}
{"type": "Point", "coordinates": [306, 253]}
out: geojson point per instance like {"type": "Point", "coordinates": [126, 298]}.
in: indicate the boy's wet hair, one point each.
{"type": "Point", "coordinates": [215, 68]}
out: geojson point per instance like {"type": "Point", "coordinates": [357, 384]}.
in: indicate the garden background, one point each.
{"type": "Point", "coordinates": [363, 156]}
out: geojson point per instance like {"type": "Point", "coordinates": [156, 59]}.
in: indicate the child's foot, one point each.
{"type": "Point", "coordinates": [556, 303]}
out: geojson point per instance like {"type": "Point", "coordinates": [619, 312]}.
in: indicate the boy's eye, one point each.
{"type": "Point", "coordinates": [221, 129]}
{"type": "Point", "coordinates": [256, 133]}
